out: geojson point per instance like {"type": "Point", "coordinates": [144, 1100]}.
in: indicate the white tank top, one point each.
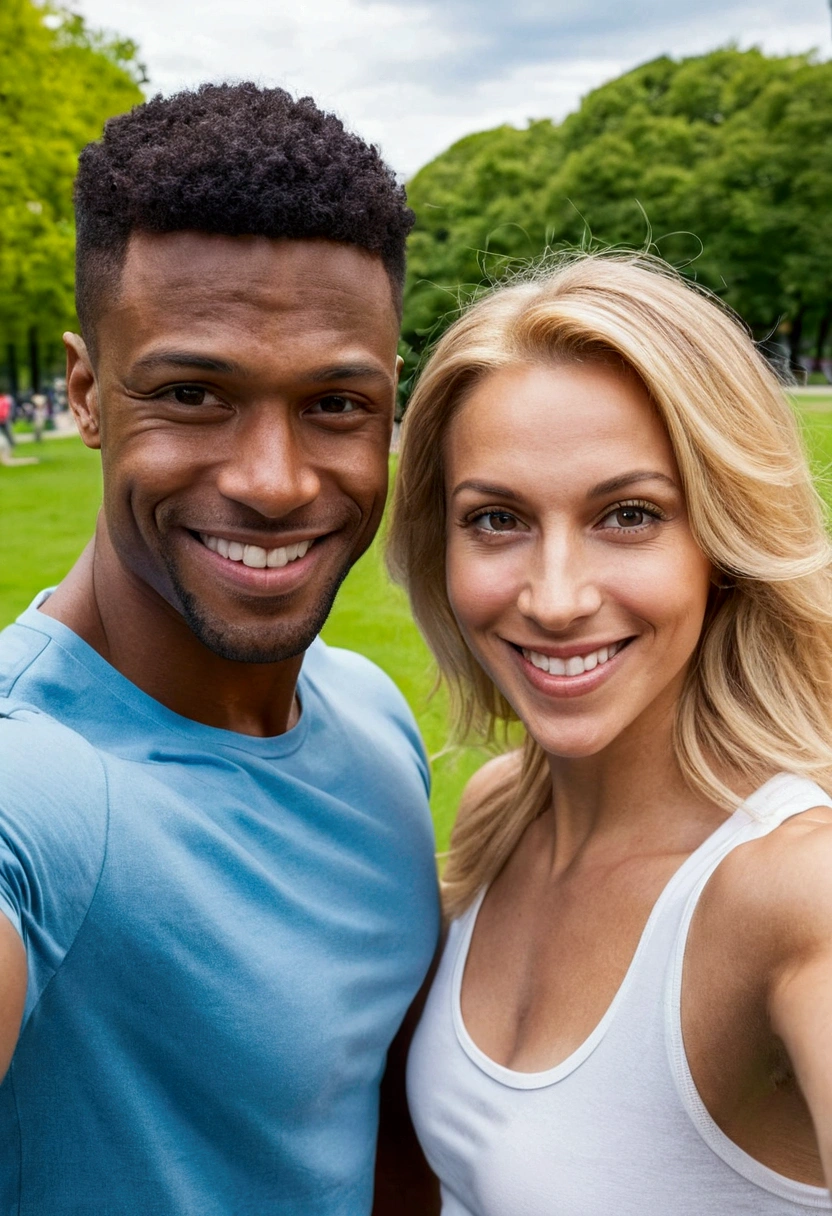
{"type": "Point", "coordinates": [618, 1128]}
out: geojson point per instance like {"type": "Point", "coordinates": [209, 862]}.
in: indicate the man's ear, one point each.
{"type": "Point", "coordinates": [82, 389]}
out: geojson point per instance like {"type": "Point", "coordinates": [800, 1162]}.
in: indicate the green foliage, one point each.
{"type": "Point", "coordinates": [721, 163]}
{"type": "Point", "coordinates": [59, 82]}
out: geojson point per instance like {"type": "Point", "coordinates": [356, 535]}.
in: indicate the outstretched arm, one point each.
{"type": "Point", "coordinates": [12, 990]}
{"type": "Point", "coordinates": [800, 1002]}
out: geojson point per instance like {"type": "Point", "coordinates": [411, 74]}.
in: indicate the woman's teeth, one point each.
{"type": "Point", "coordinates": [577, 665]}
{"type": "Point", "coordinates": [253, 555]}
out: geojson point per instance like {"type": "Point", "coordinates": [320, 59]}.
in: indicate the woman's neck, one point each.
{"type": "Point", "coordinates": [633, 791]}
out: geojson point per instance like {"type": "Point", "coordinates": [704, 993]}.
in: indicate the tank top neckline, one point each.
{"type": "Point", "coordinates": [753, 808]}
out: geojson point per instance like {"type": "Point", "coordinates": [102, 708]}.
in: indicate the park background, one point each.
{"type": "Point", "coordinates": [719, 161]}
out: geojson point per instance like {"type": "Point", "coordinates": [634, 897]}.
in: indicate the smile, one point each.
{"type": "Point", "coordinates": [253, 555]}
{"type": "Point", "coordinates": [576, 665]}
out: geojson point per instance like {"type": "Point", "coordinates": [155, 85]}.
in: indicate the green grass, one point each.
{"type": "Point", "coordinates": [47, 512]}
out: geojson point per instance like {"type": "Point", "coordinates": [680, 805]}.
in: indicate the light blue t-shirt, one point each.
{"type": "Point", "coordinates": [223, 935]}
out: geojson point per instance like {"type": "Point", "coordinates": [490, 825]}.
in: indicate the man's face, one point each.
{"type": "Point", "coordinates": [244, 395]}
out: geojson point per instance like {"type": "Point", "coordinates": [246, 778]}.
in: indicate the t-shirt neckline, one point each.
{"type": "Point", "coordinates": [154, 712]}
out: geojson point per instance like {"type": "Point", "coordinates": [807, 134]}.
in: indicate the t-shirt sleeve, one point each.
{"type": "Point", "coordinates": [364, 684]}
{"type": "Point", "coordinates": [53, 828]}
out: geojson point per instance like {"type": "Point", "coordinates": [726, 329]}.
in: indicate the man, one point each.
{"type": "Point", "coordinates": [216, 860]}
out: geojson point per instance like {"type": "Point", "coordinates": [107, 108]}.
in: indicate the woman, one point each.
{"type": "Point", "coordinates": [608, 529]}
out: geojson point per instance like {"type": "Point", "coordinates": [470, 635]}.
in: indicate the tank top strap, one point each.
{"type": "Point", "coordinates": [782, 797]}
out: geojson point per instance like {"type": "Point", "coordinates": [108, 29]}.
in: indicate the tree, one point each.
{"type": "Point", "coordinates": [59, 82]}
{"type": "Point", "coordinates": [720, 162]}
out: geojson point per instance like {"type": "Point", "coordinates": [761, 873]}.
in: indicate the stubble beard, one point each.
{"type": "Point", "coordinates": [268, 643]}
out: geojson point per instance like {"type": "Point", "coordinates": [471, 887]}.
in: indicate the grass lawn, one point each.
{"type": "Point", "coordinates": [47, 513]}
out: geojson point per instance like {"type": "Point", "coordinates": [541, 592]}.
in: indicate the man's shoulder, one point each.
{"type": "Point", "coordinates": [367, 703]}
{"type": "Point", "coordinates": [341, 672]}
{"type": "Point", "coordinates": [51, 775]}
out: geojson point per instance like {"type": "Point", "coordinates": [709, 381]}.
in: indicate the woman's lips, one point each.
{"type": "Point", "coordinates": [573, 676]}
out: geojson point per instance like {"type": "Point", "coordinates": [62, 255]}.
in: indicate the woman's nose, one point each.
{"type": "Point", "coordinates": [562, 586]}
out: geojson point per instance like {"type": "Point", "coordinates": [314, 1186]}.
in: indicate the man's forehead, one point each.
{"type": "Point", "coordinates": [198, 271]}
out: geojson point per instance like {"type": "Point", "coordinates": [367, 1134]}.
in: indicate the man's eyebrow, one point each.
{"type": "Point", "coordinates": [345, 371]}
{"type": "Point", "coordinates": [613, 484]}
{"type": "Point", "coordinates": [184, 358]}
{"type": "Point", "coordinates": [159, 360]}
{"type": "Point", "coordinates": [487, 488]}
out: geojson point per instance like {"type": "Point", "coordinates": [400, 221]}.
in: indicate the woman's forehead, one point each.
{"type": "Point", "coordinates": [538, 422]}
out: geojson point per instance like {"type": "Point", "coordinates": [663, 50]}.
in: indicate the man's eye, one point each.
{"type": "Point", "coordinates": [335, 405]}
{"type": "Point", "coordinates": [189, 394]}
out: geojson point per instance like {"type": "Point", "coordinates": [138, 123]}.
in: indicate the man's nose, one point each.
{"type": "Point", "coordinates": [562, 586]}
{"type": "Point", "coordinates": [267, 467]}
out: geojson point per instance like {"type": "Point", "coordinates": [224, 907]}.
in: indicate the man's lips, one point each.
{"type": "Point", "coordinates": [257, 557]}
{"type": "Point", "coordinates": [267, 568]}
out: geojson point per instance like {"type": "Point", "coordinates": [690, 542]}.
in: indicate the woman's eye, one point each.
{"type": "Point", "coordinates": [496, 521]}
{"type": "Point", "coordinates": [335, 405]}
{"type": "Point", "coordinates": [628, 518]}
{"type": "Point", "coordinates": [189, 394]}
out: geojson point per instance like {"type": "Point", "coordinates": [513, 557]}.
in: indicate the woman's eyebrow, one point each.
{"type": "Point", "coordinates": [484, 487]}
{"type": "Point", "coordinates": [614, 484]}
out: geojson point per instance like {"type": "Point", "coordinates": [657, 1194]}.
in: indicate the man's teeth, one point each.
{"type": "Point", "coordinates": [577, 665]}
{"type": "Point", "coordinates": [253, 555]}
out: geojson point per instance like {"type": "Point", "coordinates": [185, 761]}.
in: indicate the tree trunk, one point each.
{"type": "Point", "coordinates": [795, 338]}
{"type": "Point", "coordinates": [34, 359]}
{"type": "Point", "coordinates": [14, 378]}
{"type": "Point", "coordinates": [823, 333]}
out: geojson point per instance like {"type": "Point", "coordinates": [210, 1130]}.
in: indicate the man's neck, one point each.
{"type": "Point", "coordinates": [150, 644]}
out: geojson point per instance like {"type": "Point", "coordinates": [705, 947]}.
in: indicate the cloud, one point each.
{"type": "Point", "coordinates": [488, 39]}
{"type": "Point", "coordinates": [415, 75]}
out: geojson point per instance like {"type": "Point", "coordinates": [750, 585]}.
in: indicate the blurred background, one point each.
{"type": "Point", "coordinates": [699, 132]}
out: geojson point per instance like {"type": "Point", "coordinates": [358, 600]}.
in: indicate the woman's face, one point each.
{"type": "Point", "coordinates": [571, 567]}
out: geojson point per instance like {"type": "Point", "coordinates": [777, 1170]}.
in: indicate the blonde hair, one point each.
{"type": "Point", "coordinates": [758, 695]}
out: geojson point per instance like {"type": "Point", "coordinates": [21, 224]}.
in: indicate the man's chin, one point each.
{"type": "Point", "coordinates": [268, 641]}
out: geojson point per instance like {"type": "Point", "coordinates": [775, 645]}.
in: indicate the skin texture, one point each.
{"type": "Point", "coordinates": [291, 346]}
{"type": "Point", "coordinates": [243, 388]}
{"type": "Point", "coordinates": [540, 558]}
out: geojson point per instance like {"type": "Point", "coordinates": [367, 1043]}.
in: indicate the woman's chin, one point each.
{"type": "Point", "coordinates": [571, 744]}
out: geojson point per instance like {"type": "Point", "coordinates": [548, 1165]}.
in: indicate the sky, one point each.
{"type": "Point", "coordinates": [413, 76]}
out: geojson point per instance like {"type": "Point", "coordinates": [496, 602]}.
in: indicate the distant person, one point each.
{"type": "Point", "coordinates": [216, 854]}
{"type": "Point", "coordinates": [609, 531]}
{"type": "Point", "coordinates": [40, 414]}
{"type": "Point", "coordinates": [6, 411]}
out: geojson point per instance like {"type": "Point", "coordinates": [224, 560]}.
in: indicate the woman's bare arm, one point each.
{"type": "Point", "coordinates": [800, 999]}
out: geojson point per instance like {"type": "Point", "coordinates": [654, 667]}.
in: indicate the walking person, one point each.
{"type": "Point", "coordinates": [6, 411]}
{"type": "Point", "coordinates": [40, 415]}
{"type": "Point", "coordinates": [216, 857]}
{"type": "Point", "coordinates": [609, 531]}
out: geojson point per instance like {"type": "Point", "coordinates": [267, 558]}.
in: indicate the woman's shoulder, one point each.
{"type": "Point", "coordinates": [775, 890]}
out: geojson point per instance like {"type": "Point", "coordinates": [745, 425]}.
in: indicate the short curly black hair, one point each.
{"type": "Point", "coordinates": [234, 160]}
